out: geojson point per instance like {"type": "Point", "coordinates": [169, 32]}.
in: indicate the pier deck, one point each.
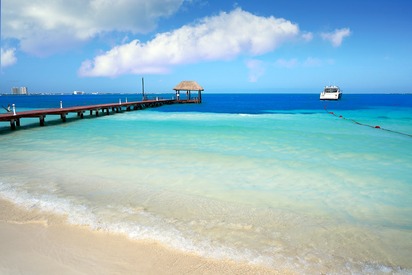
{"type": "Point", "coordinates": [15, 117]}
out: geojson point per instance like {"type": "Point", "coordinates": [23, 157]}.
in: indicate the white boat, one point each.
{"type": "Point", "coordinates": [331, 93]}
{"type": "Point", "coordinates": [78, 93]}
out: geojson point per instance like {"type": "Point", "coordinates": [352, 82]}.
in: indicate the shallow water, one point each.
{"type": "Point", "coordinates": [294, 188]}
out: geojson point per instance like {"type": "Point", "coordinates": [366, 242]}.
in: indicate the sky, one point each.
{"type": "Point", "coordinates": [260, 46]}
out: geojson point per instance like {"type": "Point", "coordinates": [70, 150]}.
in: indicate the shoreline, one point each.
{"type": "Point", "coordinates": [37, 243]}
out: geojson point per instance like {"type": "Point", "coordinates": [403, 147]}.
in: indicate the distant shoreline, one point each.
{"type": "Point", "coordinates": [212, 93]}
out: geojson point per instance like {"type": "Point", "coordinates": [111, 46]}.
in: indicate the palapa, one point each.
{"type": "Point", "coordinates": [188, 86]}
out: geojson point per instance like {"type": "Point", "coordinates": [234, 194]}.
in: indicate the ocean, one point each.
{"type": "Point", "coordinates": [285, 181]}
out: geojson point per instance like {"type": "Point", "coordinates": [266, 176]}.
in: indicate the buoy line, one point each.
{"type": "Point", "coordinates": [367, 125]}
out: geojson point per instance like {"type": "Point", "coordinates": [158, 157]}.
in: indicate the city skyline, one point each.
{"type": "Point", "coordinates": [235, 46]}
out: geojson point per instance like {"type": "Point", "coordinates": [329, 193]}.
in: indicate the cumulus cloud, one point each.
{"type": "Point", "coordinates": [8, 57]}
{"type": "Point", "coordinates": [221, 37]}
{"type": "Point", "coordinates": [336, 37]}
{"type": "Point", "coordinates": [44, 27]}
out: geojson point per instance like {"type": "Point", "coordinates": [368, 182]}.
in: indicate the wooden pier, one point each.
{"type": "Point", "coordinates": [14, 117]}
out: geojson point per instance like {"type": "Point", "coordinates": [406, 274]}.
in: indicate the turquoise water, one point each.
{"type": "Point", "coordinates": [287, 188]}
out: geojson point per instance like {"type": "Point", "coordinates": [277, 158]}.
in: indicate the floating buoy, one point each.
{"type": "Point", "coordinates": [377, 127]}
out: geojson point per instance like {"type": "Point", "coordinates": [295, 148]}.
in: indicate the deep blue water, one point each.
{"type": "Point", "coordinates": [224, 103]}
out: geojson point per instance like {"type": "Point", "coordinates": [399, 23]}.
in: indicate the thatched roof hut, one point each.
{"type": "Point", "coordinates": [189, 86]}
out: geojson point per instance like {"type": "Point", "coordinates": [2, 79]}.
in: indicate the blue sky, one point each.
{"type": "Point", "coordinates": [255, 46]}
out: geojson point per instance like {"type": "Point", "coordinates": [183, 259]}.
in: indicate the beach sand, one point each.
{"type": "Point", "coordinates": [34, 242]}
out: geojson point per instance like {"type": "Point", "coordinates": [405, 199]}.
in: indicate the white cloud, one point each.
{"type": "Point", "coordinates": [44, 27]}
{"type": "Point", "coordinates": [221, 37]}
{"type": "Point", "coordinates": [8, 57]}
{"type": "Point", "coordinates": [336, 37]}
{"type": "Point", "coordinates": [256, 69]}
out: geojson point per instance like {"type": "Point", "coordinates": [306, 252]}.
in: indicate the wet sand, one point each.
{"type": "Point", "coordinates": [33, 242]}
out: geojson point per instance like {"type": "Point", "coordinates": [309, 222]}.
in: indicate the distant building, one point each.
{"type": "Point", "coordinates": [15, 90]}
{"type": "Point", "coordinates": [24, 91]}
{"type": "Point", "coordinates": [19, 91]}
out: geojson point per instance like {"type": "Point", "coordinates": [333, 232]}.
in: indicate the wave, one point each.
{"type": "Point", "coordinates": [199, 116]}
{"type": "Point", "coordinates": [164, 231]}
{"type": "Point", "coordinates": [160, 230]}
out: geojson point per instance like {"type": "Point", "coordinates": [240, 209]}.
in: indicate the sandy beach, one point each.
{"type": "Point", "coordinates": [41, 243]}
